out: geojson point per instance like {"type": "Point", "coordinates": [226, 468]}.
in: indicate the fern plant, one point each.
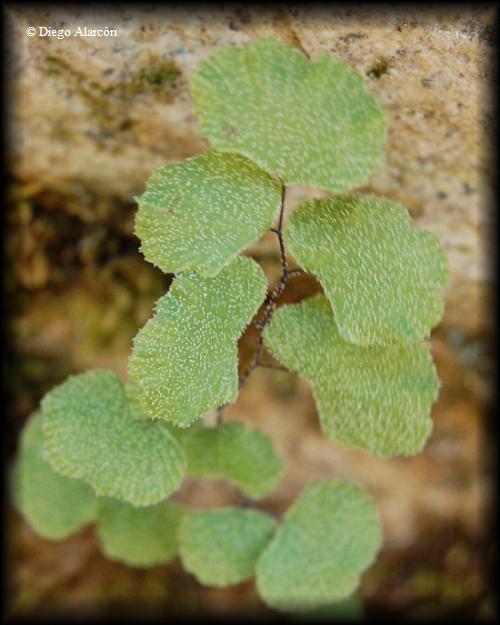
{"type": "Point", "coordinates": [104, 452]}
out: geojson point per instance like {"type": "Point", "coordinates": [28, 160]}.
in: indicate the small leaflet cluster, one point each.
{"type": "Point", "coordinates": [111, 453]}
{"type": "Point", "coordinates": [220, 547]}
{"type": "Point", "coordinates": [57, 506]}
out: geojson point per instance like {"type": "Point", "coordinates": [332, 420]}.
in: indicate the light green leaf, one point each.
{"type": "Point", "coordinates": [220, 547]}
{"type": "Point", "coordinates": [384, 279]}
{"type": "Point", "coordinates": [185, 358]}
{"type": "Point", "coordinates": [244, 457]}
{"type": "Point", "coordinates": [197, 216]}
{"type": "Point", "coordinates": [329, 536]}
{"type": "Point", "coordinates": [91, 433]}
{"type": "Point", "coordinates": [376, 398]}
{"type": "Point", "coordinates": [55, 506]}
{"type": "Point", "coordinates": [138, 536]}
{"type": "Point", "coordinates": [311, 124]}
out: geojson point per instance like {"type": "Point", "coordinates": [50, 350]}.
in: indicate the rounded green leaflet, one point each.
{"type": "Point", "coordinates": [55, 506]}
{"type": "Point", "coordinates": [184, 359]}
{"type": "Point", "coordinates": [91, 433]}
{"type": "Point", "coordinates": [327, 538]}
{"type": "Point", "coordinates": [141, 537]}
{"type": "Point", "coordinates": [376, 398]}
{"type": "Point", "coordinates": [220, 547]}
{"type": "Point", "coordinates": [244, 457]}
{"type": "Point", "coordinates": [309, 123]}
{"type": "Point", "coordinates": [199, 215]}
{"type": "Point", "coordinates": [384, 279]}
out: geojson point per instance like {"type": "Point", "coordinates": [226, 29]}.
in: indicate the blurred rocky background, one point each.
{"type": "Point", "coordinates": [88, 119]}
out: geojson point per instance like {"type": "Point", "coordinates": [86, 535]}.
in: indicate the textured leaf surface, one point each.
{"type": "Point", "coordinates": [311, 124]}
{"type": "Point", "coordinates": [197, 216]}
{"type": "Point", "coordinates": [91, 433]}
{"type": "Point", "coordinates": [55, 506]}
{"type": "Point", "coordinates": [244, 457]}
{"type": "Point", "coordinates": [185, 357]}
{"type": "Point", "coordinates": [377, 398]}
{"type": "Point", "coordinates": [144, 536]}
{"type": "Point", "coordinates": [329, 536]}
{"type": "Point", "coordinates": [383, 278]}
{"type": "Point", "coordinates": [220, 547]}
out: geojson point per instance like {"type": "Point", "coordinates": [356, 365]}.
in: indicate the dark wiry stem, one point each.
{"type": "Point", "coordinates": [269, 307]}
{"type": "Point", "coordinates": [272, 299]}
